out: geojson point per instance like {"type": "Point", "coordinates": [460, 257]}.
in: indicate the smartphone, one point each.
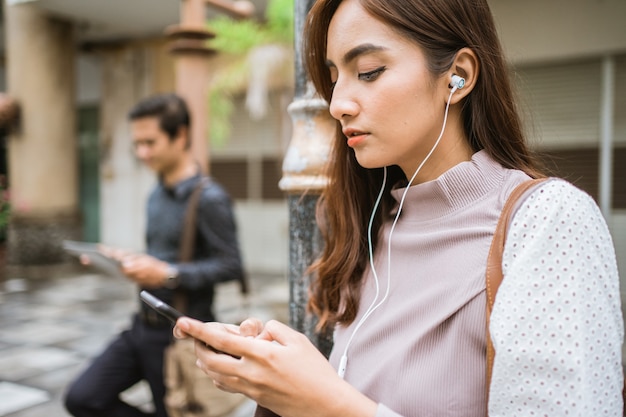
{"type": "Point", "coordinates": [170, 313]}
{"type": "Point", "coordinates": [97, 259]}
{"type": "Point", "coordinates": [161, 307]}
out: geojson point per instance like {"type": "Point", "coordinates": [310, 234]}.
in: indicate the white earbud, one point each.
{"type": "Point", "coordinates": [457, 83]}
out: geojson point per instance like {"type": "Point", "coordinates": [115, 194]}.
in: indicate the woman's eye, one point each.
{"type": "Point", "coordinates": [371, 75]}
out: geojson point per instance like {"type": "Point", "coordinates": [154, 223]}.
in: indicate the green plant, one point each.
{"type": "Point", "coordinates": [239, 36]}
{"type": "Point", "coordinates": [238, 40]}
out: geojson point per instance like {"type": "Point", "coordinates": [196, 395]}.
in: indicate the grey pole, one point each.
{"type": "Point", "coordinates": [606, 136]}
{"type": "Point", "coordinates": [303, 180]}
{"type": "Point", "coordinates": [301, 9]}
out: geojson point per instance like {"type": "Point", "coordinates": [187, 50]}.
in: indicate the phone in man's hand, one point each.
{"type": "Point", "coordinates": [96, 257]}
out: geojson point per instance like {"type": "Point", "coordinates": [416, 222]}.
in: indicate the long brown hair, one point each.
{"type": "Point", "coordinates": [490, 119]}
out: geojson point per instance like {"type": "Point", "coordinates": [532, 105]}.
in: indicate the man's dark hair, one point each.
{"type": "Point", "coordinates": [170, 109]}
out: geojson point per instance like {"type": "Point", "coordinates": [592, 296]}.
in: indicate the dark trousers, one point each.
{"type": "Point", "coordinates": [135, 355]}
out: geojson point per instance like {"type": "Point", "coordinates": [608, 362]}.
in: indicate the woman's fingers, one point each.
{"type": "Point", "coordinates": [251, 327]}
{"type": "Point", "coordinates": [216, 336]}
{"type": "Point", "coordinates": [264, 371]}
{"type": "Point", "coordinates": [188, 327]}
{"type": "Point", "coordinates": [179, 333]}
{"type": "Point", "coordinates": [275, 331]}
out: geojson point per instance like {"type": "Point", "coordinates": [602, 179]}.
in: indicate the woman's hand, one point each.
{"type": "Point", "coordinates": [278, 367]}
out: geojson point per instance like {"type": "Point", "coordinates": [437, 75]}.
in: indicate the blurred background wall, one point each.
{"type": "Point", "coordinates": [568, 60]}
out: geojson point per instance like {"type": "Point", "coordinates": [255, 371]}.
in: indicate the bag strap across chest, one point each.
{"type": "Point", "coordinates": [188, 241]}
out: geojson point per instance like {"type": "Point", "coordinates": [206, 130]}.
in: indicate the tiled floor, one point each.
{"type": "Point", "coordinates": [49, 328]}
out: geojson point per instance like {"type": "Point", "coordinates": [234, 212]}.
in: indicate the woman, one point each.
{"type": "Point", "coordinates": [428, 148]}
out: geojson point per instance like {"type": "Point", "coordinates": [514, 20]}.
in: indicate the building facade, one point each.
{"type": "Point", "coordinates": [568, 60]}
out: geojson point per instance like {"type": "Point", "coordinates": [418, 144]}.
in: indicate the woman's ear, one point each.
{"type": "Point", "coordinates": [464, 69]}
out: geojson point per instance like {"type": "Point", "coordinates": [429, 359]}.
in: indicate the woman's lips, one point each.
{"type": "Point", "coordinates": [355, 140]}
{"type": "Point", "coordinates": [354, 136]}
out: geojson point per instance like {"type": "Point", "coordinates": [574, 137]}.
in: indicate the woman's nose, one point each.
{"type": "Point", "coordinates": [342, 105]}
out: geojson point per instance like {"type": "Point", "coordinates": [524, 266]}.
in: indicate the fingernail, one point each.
{"type": "Point", "coordinates": [182, 324]}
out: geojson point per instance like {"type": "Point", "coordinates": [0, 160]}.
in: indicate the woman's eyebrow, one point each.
{"type": "Point", "coordinates": [357, 51]}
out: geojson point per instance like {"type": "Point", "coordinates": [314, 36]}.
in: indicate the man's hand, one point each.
{"type": "Point", "coordinates": [145, 270]}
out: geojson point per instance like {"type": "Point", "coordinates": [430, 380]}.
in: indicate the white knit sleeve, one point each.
{"type": "Point", "coordinates": [557, 324]}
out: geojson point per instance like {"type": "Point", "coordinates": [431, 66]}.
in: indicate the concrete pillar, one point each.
{"type": "Point", "coordinates": [191, 60]}
{"type": "Point", "coordinates": [192, 72]}
{"type": "Point", "coordinates": [42, 152]}
{"type": "Point", "coordinates": [303, 181]}
{"type": "Point", "coordinates": [129, 73]}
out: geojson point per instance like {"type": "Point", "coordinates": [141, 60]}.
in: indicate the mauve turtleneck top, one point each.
{"type": "Point", "coordinates": [421, 352]}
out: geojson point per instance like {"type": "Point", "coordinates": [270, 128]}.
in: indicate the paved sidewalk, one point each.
{"type": "Point", "coordinates": [49, 328]}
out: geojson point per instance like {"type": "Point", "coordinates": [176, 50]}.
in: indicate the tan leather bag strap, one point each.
{"type": "Point", "coordinates": [188, 241]}
{"type": "Point", "coordinates": [188, 237]}
{"type": "Point", "coordinates": [493, 274]}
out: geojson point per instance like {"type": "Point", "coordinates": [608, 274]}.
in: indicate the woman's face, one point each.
{"type": "Point", "coordinates": [384, 96]}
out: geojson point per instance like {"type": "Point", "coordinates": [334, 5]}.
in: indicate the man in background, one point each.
{"type": "Point", "coordinates": [160, 133]}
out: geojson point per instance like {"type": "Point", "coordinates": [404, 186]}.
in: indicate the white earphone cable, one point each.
{"type": "Point", "coordinates": [344, 357]}
{"type": "Point", "coordinates": [373, 306]}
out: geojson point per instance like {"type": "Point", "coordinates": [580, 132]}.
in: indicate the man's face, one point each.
{"type": "Point", "coordinates": [154, 147]}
